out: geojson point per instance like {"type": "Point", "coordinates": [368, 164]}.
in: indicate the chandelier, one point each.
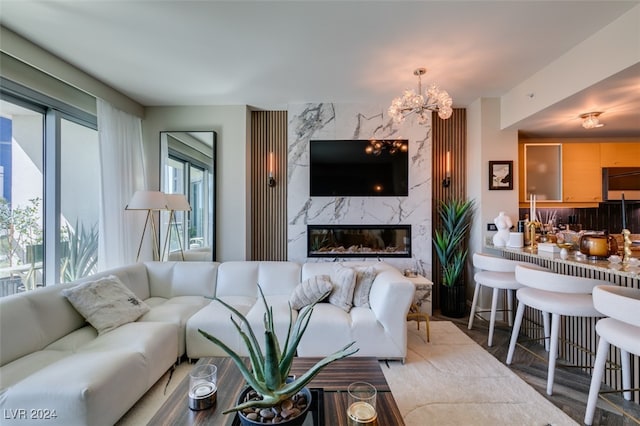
{"type": "Point", "coordinates": [590, 120]}
{"type": "Point", "coordinates": [433, 99]}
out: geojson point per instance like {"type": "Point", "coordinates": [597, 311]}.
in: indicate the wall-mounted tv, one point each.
{"type": "Point", "coordinates": [343, 168]}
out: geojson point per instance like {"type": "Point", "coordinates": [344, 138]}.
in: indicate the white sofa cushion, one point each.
{"type": "Point", "coordinates": [364, 280]}
{"type": "Point", "coordinates": [106, 303]}
{"type": "Point", "coordinates": [311, 291]}
{"type": "Point", "coordinates": [89, 388]}
{"type": "Point", "coordinates": [215, 319]}
{"type": "Point", "coordinates": [175, 279]}
{"type": "Point", "coordinates": [237, 279]}
{"type": "Point", "coordinates": [344, 282]}
{"type": "Point", "coordinates": [17, 370]}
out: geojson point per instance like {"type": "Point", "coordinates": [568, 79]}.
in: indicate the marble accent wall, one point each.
{"type": "Point", "coordinates": [355, 121]}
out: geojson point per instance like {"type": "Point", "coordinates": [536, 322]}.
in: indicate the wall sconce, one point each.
{"type": "Point", "coordinates": [447, 176]}
{"type": "Point", "coordinates": [271, 181]}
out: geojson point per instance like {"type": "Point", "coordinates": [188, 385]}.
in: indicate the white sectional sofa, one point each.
{"type": "Point", "coordinates": [53, 362]}
{"type": "Point", "coordinates": [379, 331]}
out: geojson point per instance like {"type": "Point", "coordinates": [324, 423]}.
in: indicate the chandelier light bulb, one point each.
{"type": "Point", "coordinates": [411, 102]}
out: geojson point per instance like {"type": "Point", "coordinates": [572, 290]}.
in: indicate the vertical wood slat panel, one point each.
{"type": "Point", "coordinates": [268, 204]}
{"type": "Point", "coordinates": [447, 135]}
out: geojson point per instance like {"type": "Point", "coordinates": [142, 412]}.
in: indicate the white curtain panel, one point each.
{"type": "Point", "coordinates": [122, 172]}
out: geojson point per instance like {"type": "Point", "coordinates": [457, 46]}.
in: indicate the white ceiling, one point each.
{"type": "Point", "coordinates": [268, 54]}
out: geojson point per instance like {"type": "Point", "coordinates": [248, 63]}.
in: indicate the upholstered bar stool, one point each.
{"type": "Point", "coordinates": [555, 294]}
{"type": "Point", "coordinates": [622, 329]}
{"type": "Point", "coordinates": [499, 274]}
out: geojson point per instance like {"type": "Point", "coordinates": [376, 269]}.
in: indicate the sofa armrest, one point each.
{"type": "Point", "coordinates": [390, 298]}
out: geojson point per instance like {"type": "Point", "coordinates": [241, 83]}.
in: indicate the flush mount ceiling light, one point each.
{"type": "Point", "coordinates": [590, 120]}
{"type": "Point", "coordinates": [433, 99]}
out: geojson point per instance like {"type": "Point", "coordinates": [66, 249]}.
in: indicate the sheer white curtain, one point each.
{"type": "Point", "coordinates": [122, 172]}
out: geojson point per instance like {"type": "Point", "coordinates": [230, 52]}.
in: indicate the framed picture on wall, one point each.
{"type": "Point", "coordinates": [500, 175]}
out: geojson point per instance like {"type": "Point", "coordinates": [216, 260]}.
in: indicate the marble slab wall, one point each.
{"type": "Point", "coordinates": [355, 121]}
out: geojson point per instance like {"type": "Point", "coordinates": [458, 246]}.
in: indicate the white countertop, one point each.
{"type": "Point", "coordinates": [631, 270]}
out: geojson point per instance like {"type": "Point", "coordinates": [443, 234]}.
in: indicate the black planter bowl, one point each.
{"type": "Point", "coordinates": [295, 421]}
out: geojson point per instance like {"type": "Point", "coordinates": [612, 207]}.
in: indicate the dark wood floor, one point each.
{"type": "Point", "coordinates": [571, 385]}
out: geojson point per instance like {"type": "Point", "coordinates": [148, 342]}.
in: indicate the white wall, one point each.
{"type": "Point", "coordinates": [232, 174]}
{"type": "Point", "coordinates": [486, 142]}
{"type": "Point", "coordinates": [356, 121]}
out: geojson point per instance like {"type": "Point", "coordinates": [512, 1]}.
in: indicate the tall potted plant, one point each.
{"type": "Point", "coordinates": [450, 245]}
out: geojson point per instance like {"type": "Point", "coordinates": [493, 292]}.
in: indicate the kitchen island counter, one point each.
{"type": "Point", "coordinates": [576, 264]}
{"type": "Point", "coordinates": [578, 334]}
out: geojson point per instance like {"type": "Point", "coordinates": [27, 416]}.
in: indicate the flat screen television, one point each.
{"type": "Point", "coordinates": [342, 168]}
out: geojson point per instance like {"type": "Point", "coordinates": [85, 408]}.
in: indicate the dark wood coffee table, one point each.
{"type": "Point", "coordinates": [333, 380]}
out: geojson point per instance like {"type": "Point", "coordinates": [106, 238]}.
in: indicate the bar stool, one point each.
{"type": "Point", "coordinates": [499, 274]}
{"type": "Point", "coordinates": [622, 329]}
{"type": "Point", "coordinates": [555, 294]}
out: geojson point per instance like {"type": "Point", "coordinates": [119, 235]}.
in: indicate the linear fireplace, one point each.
{"type": "Point", "coordinates": [358, 240]}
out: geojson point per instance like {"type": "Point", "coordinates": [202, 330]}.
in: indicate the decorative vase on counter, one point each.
{"type": "Point", "coordinates": [503, 224]}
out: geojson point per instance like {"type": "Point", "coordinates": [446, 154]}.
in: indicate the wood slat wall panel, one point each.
{"type": "Point", "coordinates": [268, 204]}
{"type": "Point", "coordinates": [447, 135]}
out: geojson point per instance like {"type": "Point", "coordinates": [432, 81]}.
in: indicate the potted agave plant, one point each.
{"type": "Point", "coordinates": [268, 377]}
{"type": "Point", "coordinates": [450, 246]}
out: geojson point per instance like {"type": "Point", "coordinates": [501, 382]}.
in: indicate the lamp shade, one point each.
{"type": "Point", "coordinates": [177, 202]}
{"type": "Point", "coordinates": [148, 200]}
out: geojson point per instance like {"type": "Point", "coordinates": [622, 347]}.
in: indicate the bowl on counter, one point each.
{"type": "Point", "coordinates": [598, 245]}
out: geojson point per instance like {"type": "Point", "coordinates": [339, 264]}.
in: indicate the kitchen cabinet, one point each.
{"type": "Point", "coordinates": [581, 173]}
{"type": "Point", "coordinates": [620, 154]}
{"type": "Point", "coordinates": [543, 171]}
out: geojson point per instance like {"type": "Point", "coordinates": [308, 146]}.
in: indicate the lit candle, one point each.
{"type": "Point", "coordinates": [624, 215]}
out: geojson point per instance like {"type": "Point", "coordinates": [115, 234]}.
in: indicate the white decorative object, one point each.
{"type": "Point", "coordinates": [564, 254]}
{"type": "Point", "coordinates": [516, 240]}
{"type": "Point", "coordinates": [503, 223]}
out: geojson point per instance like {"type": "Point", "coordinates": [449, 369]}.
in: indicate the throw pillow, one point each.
{"type": "Point", "coordinates": [364, 281]}
{"type": "Point", "coordinates": [311, 291]}
{"type": "Point", "coordinates": [106, 303]}
{"type": "Point", "coordinates": [344, 282]}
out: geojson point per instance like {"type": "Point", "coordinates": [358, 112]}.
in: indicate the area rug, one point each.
{"type": "Point", "coordinates": [450, 380]}
{"type": "Point", "coordinates": [453, 381]}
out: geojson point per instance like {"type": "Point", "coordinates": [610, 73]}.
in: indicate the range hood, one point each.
{"type": "Point", "coordinates": [620, 180]}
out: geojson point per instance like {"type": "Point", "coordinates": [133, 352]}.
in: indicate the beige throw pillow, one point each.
{"type": "Point", "coordinates": [310, 291]}
{"type": "Point", "coordinates": [106, 303]}
{"type": "Point", "coordinates": [364, 281]}
{"type": "Point", "coordinates": [344, 282]}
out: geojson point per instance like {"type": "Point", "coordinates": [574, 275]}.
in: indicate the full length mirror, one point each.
{"type": "Point", "coordinates": [188, 167]}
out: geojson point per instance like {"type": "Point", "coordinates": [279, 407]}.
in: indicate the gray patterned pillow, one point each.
{"type": "Point", "coordinates": [310, 291]}
{"type": "Point", "coordinates": [344, 282]}
{"type": "Point", "coordinates": [364, 281]}
{"type": "Point", "coordinates": [106, 303]}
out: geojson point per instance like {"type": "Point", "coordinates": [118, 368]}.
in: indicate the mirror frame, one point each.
{"type": "Point", "coordinates": [165, 152]}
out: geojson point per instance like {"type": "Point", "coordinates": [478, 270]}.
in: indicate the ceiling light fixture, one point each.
{"type": "Point", "coordinates": [590, 120]}
{"type": "Point", "coordinates": [433, 99]}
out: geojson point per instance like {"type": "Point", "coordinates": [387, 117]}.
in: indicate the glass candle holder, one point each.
{"type": "Point", "coordinates": [361, 404]}
{"type": "Point", "coordinates": [203, 386]}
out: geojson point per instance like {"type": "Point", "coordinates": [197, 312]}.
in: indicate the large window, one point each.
{"type": "Point", "coordinates": [49, 193]}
